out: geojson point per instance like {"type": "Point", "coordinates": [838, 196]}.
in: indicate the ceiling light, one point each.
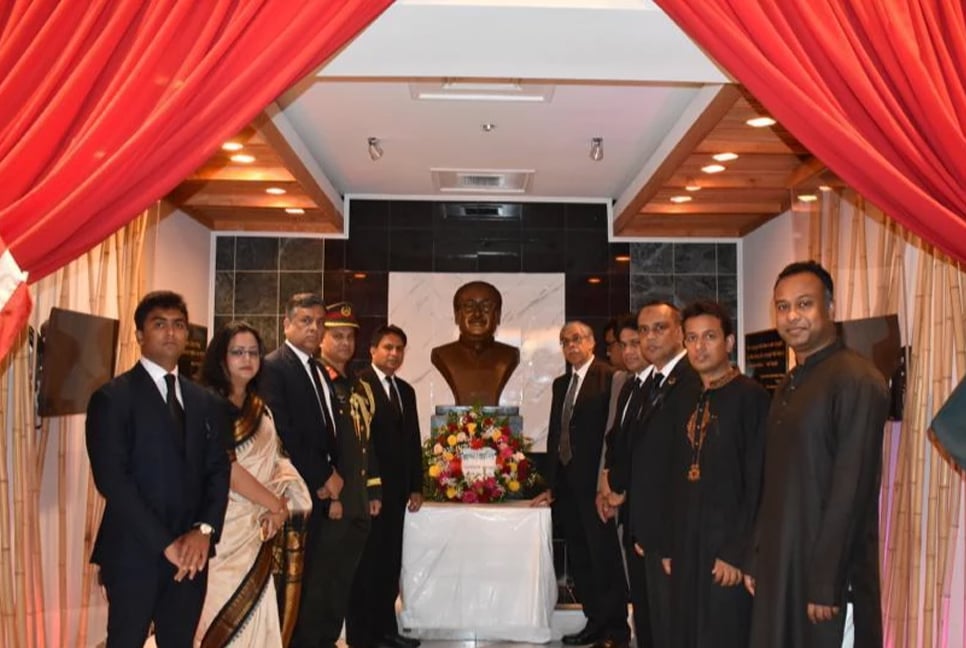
{"type": "Point", "coordinates": [359, 275]}
{"type": "Point", "coordinates": [488, 127]}
{"type": "Point", "coordinates": [760, 122]}
{"type": "Point", "coordinates": [375, 151]}
{"type": "Point", "coordinates": [807, 197]}
{"type": "Point", "coordinates": [597, 149]}
{"type": "Point", "coordinates": [725, 157]}
{"type": "Point", "coordinates": [593, 280]}
{"type": "Point", "coordinates": [622, 258]}
{"type": "Point", "coordinates": [824, 188]}
{"type": "Point", "coordinates": [295, 211]}
{"type": "Point", "coordinates": [232, 146]}
{"type": "Point", "coordinates": [713, 168]}
{"type": "Point", "coordinates": [680, 199]}
{"type": "Point", "coordinates": [275, 191]}
{"type": "Point", "coordinates": [691, 185]}
{"type": "Point", "coordinates": [243, 158]}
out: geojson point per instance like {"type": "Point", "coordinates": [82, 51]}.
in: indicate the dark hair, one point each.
{"type": "Point", "coordinates": [712, 308]}
{"type": "Point", "coordinates": [675, 311]}
{"type": "Point", "coordinates": [810, 267]}
{"type": "Point", "coordinates": [625, 323]}
{"type": "Point", "coordinates": [163, 299]}
{"type": "Point", "coordinates": [214, 372]}
{"type": "Point", "coordinates": [387, 329]}
{"type": "Point", "coordinates": [611, 326]}
{"type": "Point", "coordinates": [302, 300]}
{"type": "Point", "coordinates": [477, 284]}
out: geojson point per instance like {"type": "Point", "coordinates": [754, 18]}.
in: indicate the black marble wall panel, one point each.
{"type": "Point", "coordinates": [256, 275]}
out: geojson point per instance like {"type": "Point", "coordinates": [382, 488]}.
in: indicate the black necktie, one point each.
{"type": "Point", "coordinates": [394, 396]}
{"type": "Point", "coordinates": [174, 406]}
{"type": "Point", "coordinates": [314, 368]}
{"type": "Point", "coordinates": [566, 451]}
{"type": "Point", "coordinates": [631, 399]}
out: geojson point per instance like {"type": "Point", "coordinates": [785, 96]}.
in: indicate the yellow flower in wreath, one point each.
{"type": "Point", "coordinates": [471, 428]}
{"type": "Point", "coordinates": [496, 435]}
{"type": "Point", "coordinates": [450, 492]}
{"type": "Point", "coordinates": [513, 485]}
{"type": "Point", "coordinates": [434, 471]}
{"type": "Point", "coordinates": [451, 440]}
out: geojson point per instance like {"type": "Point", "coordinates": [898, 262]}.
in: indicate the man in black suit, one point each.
{"type": "Point", "coordinates": [578, 417]}
{"type": "Point", "coordinates": [295, 388]}
{"type": "Point", "coordinates": [641, 470]}
{"type": "Point", "coordinates": [156, 446]}
{"type": "Point", "coordinates": [396, 442]}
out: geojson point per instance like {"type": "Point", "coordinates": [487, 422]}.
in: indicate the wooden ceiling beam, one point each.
{"type": "Point", "coordinates": [717, 207]}
{"type": "Point", "coordinates": [682, 142]}
{"type": "Point", "coordinates": [810, 168]}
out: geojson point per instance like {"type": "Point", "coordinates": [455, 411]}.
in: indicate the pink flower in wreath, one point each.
{"type": "Point", "coordinates": [469, 497]}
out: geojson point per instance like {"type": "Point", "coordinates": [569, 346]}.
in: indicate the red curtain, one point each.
{"type": "Point", "coordinates": [108, 104]}
{"type": "Point", "coordinates": [874, 88]}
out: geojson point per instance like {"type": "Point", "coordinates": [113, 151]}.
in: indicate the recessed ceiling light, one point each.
{"type": "Point", "coordinates": [488, 127]}
{"type": "Point", "coordinates": [622, 258]}
{"type": "Point", "coordinates": [243, 158]}
{"type": "Point", "coordinates": [760, 122]}
{"type": "Point", "coordinates": [725, 157]}
{"type": "Point", "coordinates": [275, 191]}
{"type": "Point", "coordinates": [807, 197]}
{"type": "Point", "coordinates": [294, 210]}
{"type": "Point", "coordinates": [824, 188]}
{"type": "Point", "coordinates": [680, 199]}
{"type": "Point", "coordinates": [713, 168]}
{"type": "Point", "coordinates": [593, 280]}
{"type": "Point", "coordinates": [359, 275]}
{"type": "Point", "coordinates": [232, 146]}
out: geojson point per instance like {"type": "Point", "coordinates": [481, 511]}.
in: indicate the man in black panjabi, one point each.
{"type": "Point", "coordinates": [714, 484]}
{"type": "Point", "coordinates": [816, 535]}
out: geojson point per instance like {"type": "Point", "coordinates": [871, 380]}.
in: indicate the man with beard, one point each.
{"type": "Point", "coordinates": [816, 535]}
{"type": "Point", "coordinates": [578, 417]}
{"type": "Point", "coordinates": [714, 484]}
{"type": "Point", "coordinates": [642, 467]}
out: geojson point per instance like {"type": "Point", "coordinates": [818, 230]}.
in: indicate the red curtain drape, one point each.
{"type": "Point", "coordinates": [874, 88]}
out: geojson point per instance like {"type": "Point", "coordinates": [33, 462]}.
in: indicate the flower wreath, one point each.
{"type": "Point", "coordinates": [471, 429]}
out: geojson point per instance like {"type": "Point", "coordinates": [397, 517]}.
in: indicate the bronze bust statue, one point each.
{"type": "Point", "coordinates": [476, 367]}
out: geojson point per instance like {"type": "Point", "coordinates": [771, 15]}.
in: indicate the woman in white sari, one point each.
{"type": "Point", "coordinates": [242, 605]}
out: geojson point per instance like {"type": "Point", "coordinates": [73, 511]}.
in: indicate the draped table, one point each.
{"type": "Point", "coordinates": [478, 572]}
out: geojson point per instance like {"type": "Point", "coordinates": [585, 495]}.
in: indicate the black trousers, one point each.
{"type": "Point", "coordinates": [594, 559]}
{"type": "Point", "coordinates": [136, 597]}
{"type": "Point", "coordinates": [651, 588]}
{"type": "Point", "coordinates": [333, 549]}
{"type": "Point", "coordinates": [636, 574]}
{"type": "Point", "coordinates": [372, 603]}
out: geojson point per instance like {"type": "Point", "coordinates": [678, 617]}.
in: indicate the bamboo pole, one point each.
{"type": "Point", "coordinates": [7, 593]}
{"type": "Point", "coordinates": [20, 515]}
{"type": "Point", "coordinates": [863, 268]}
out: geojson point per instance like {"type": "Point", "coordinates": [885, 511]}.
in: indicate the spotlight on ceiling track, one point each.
{"type": "Point", "coordinates": [597, 149]}
{"type": "Point", "coordinates": [375, 150]}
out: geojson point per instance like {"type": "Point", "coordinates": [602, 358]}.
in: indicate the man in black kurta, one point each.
{"type": "Point", "coordinates": [816, 535]}
{"type": "Point", "coordinates": [714, 485]}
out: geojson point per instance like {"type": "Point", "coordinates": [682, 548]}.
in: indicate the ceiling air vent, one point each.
{"type": "Point", "coordinates": [505, 181]}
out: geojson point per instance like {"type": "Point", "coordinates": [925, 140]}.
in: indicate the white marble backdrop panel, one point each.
{"type": "Point", "coordinates": [533, 312]}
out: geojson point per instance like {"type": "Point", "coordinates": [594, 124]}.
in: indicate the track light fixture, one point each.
{"type": "Point", "coordinates": [375, 151]}
{"type": "Point", "coordinates": [597, 149]}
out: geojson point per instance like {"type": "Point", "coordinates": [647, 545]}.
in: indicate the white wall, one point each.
{"type": "Point", "coordinates": [178, 254]}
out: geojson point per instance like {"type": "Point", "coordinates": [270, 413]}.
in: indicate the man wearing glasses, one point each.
{"type": "Point", "coordinates": [476, 367]}
{"type": "Point", "coordinates": [578, 418]}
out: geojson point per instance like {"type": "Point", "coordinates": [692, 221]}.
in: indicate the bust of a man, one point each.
{"type": "Point", "coordinates": [476, 367]}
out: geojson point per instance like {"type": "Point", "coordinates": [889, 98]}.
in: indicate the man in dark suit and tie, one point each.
{"type": "Point", "coordinates": [395, 440]}
{"type": "Point", "coordinates": [578, 417]}
{"type": "Point", "coordinates": [297, 392]}
{"type": "Point", "coordinates": [641, 469]}
{"type": "Point", "coordinates": [156, 446]}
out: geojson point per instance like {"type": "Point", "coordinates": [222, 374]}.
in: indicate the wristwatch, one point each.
{"type": "Point", "coordinates": [205, 528]}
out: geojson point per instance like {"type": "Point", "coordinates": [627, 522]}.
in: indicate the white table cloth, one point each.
{"type": "Point", "coordinates": [478, 571]}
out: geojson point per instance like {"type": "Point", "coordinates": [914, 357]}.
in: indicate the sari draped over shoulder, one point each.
{"type": "Point", "coordinates": [254, 584]}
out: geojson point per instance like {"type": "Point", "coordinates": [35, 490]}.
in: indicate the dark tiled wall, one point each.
{"type": "Point", "coordinates": [255, 275]}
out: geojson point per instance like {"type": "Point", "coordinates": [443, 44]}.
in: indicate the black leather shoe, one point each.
{"type": "Point", "coordinates": [609, 643]}
{"type": "Point", "coordinates": [398, 641]}
{"type": "Point", "coordinates": [412, 641]}
{"type": "Point", "coordinates": [586, 636]}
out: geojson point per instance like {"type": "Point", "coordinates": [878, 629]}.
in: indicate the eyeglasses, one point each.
{"type": "Point", "coordinates": [573, 339]}
{"type": "Point", "coordinates": [240, 353]}
{"type": "Point", "coordinates": [469, 306]}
